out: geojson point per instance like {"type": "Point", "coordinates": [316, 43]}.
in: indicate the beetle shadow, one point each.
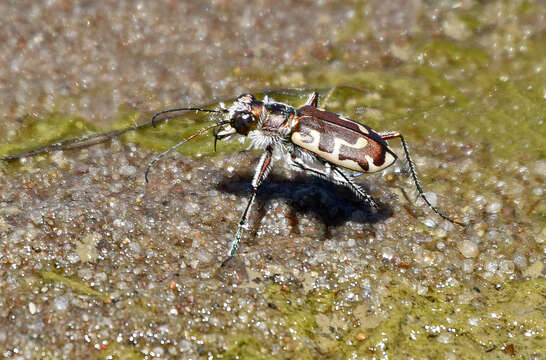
{"type": "Point", "coordinates": [329, 203]}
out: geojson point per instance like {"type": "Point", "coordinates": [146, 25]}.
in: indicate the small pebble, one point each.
{"type": "Point", "coordinates": [387, 253]}
{"type": "Point", "coordinates": [101, 277]}
{"type": "Point", "coordinates": [491, 266]}
{"type": "Point", "coordinates": [191, 208]}
{"type": "Point", "coordinates": [469, 249]}
{"type": "Point", "coordinates": [507, 266]}
{"type": "Point", "coordinates": [468, 265]}
{"type": "Point", "coordinates": [429, 222]}
{"type": "Point", "coordinates": [157, 351]}
{"type": "Point", "coordinates": [32, 308]}
{"type": "Point", "coordinates": [128, 170]}
{"type": "Point", "coordinates": [445, 338]}
{"type": "Point", "coordinates": [173, 312]}
{"type": "Point", "coordinates": [520, 260]}
{"type": "Point", "coordinates": [361, 336]}
{"type": "Point", "coordinates": [422, 289]}
{"type": "Point", "coordinates": [493, 207]}
{"type": "Point", "coordinates": [60, 303]}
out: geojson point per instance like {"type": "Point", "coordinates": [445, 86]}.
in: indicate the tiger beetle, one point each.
{"type": "Point", "coordinates": [309, 139]}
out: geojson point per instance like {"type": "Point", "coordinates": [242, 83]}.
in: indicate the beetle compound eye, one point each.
{"type": "Point", "coordinates": [242, 121]}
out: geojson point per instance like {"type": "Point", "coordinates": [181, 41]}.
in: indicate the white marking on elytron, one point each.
{"type": "Point", "coordinates": [333, 157]}
{"type": "Point", "coordinates": [362, 128]}
{"type": "Point", "coordinates": [389, 160]}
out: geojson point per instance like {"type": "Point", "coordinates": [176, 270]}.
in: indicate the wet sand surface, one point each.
{"type": "Point", "coordinates": [95, 263]}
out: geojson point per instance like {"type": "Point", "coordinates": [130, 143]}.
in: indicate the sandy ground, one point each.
{"type": "Point", "coordinates": [95, 263]}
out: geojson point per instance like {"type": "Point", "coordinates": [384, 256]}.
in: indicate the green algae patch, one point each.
{"type": "Point", "coordinates": [36, 132]}
{"type": "Point", "coordinates": [300, 318]}
{"type": "Point", "coordinates": [119, 352]}
{"type": "Point", "coordinates": [78, 286]}
{"type": "Point", "coordinates": [450, 52]}
{"type": "Point", "coordinates": [472, 324]}
{"type": "Point", "coordinates": [246, 347]}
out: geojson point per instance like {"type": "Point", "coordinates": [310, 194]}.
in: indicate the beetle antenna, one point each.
{"type": "Point", "coordinates": [75, 143]}
{"type": "Point", "coordinates": [154, 118]}
{"type": "Point", "coordinates": [94, 139]}
{"type": "Point", "coordinates": [418, 185]}
{"type": "Point", "coordinates": [174, 147]}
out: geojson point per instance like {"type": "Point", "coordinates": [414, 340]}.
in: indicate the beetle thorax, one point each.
{"type": "Point", "coordinates": [276, 119]}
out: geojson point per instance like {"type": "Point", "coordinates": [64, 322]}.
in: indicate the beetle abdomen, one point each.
{"type": "Point", "coordinates": [341, 141]}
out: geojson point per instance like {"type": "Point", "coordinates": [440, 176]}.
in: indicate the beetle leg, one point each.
{"type": "Point", "coordinates": [357, 189]}
{"type": "Point", "coordinates": [336, 175]}
{"type": "Point", "coordinates": [395, 134]}
{"type": "Point", "coordinates": [262, 170]}
{"type": "Point", "coordinates": [313, 99]}
{"type": "Point", "coordinates": [299, 165]}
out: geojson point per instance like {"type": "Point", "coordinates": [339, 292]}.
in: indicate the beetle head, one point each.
{"type": "Point", "coordinates": [243, 117]}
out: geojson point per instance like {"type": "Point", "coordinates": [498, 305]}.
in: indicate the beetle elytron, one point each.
{"type": "Point", "coordinates": [310, 139]}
